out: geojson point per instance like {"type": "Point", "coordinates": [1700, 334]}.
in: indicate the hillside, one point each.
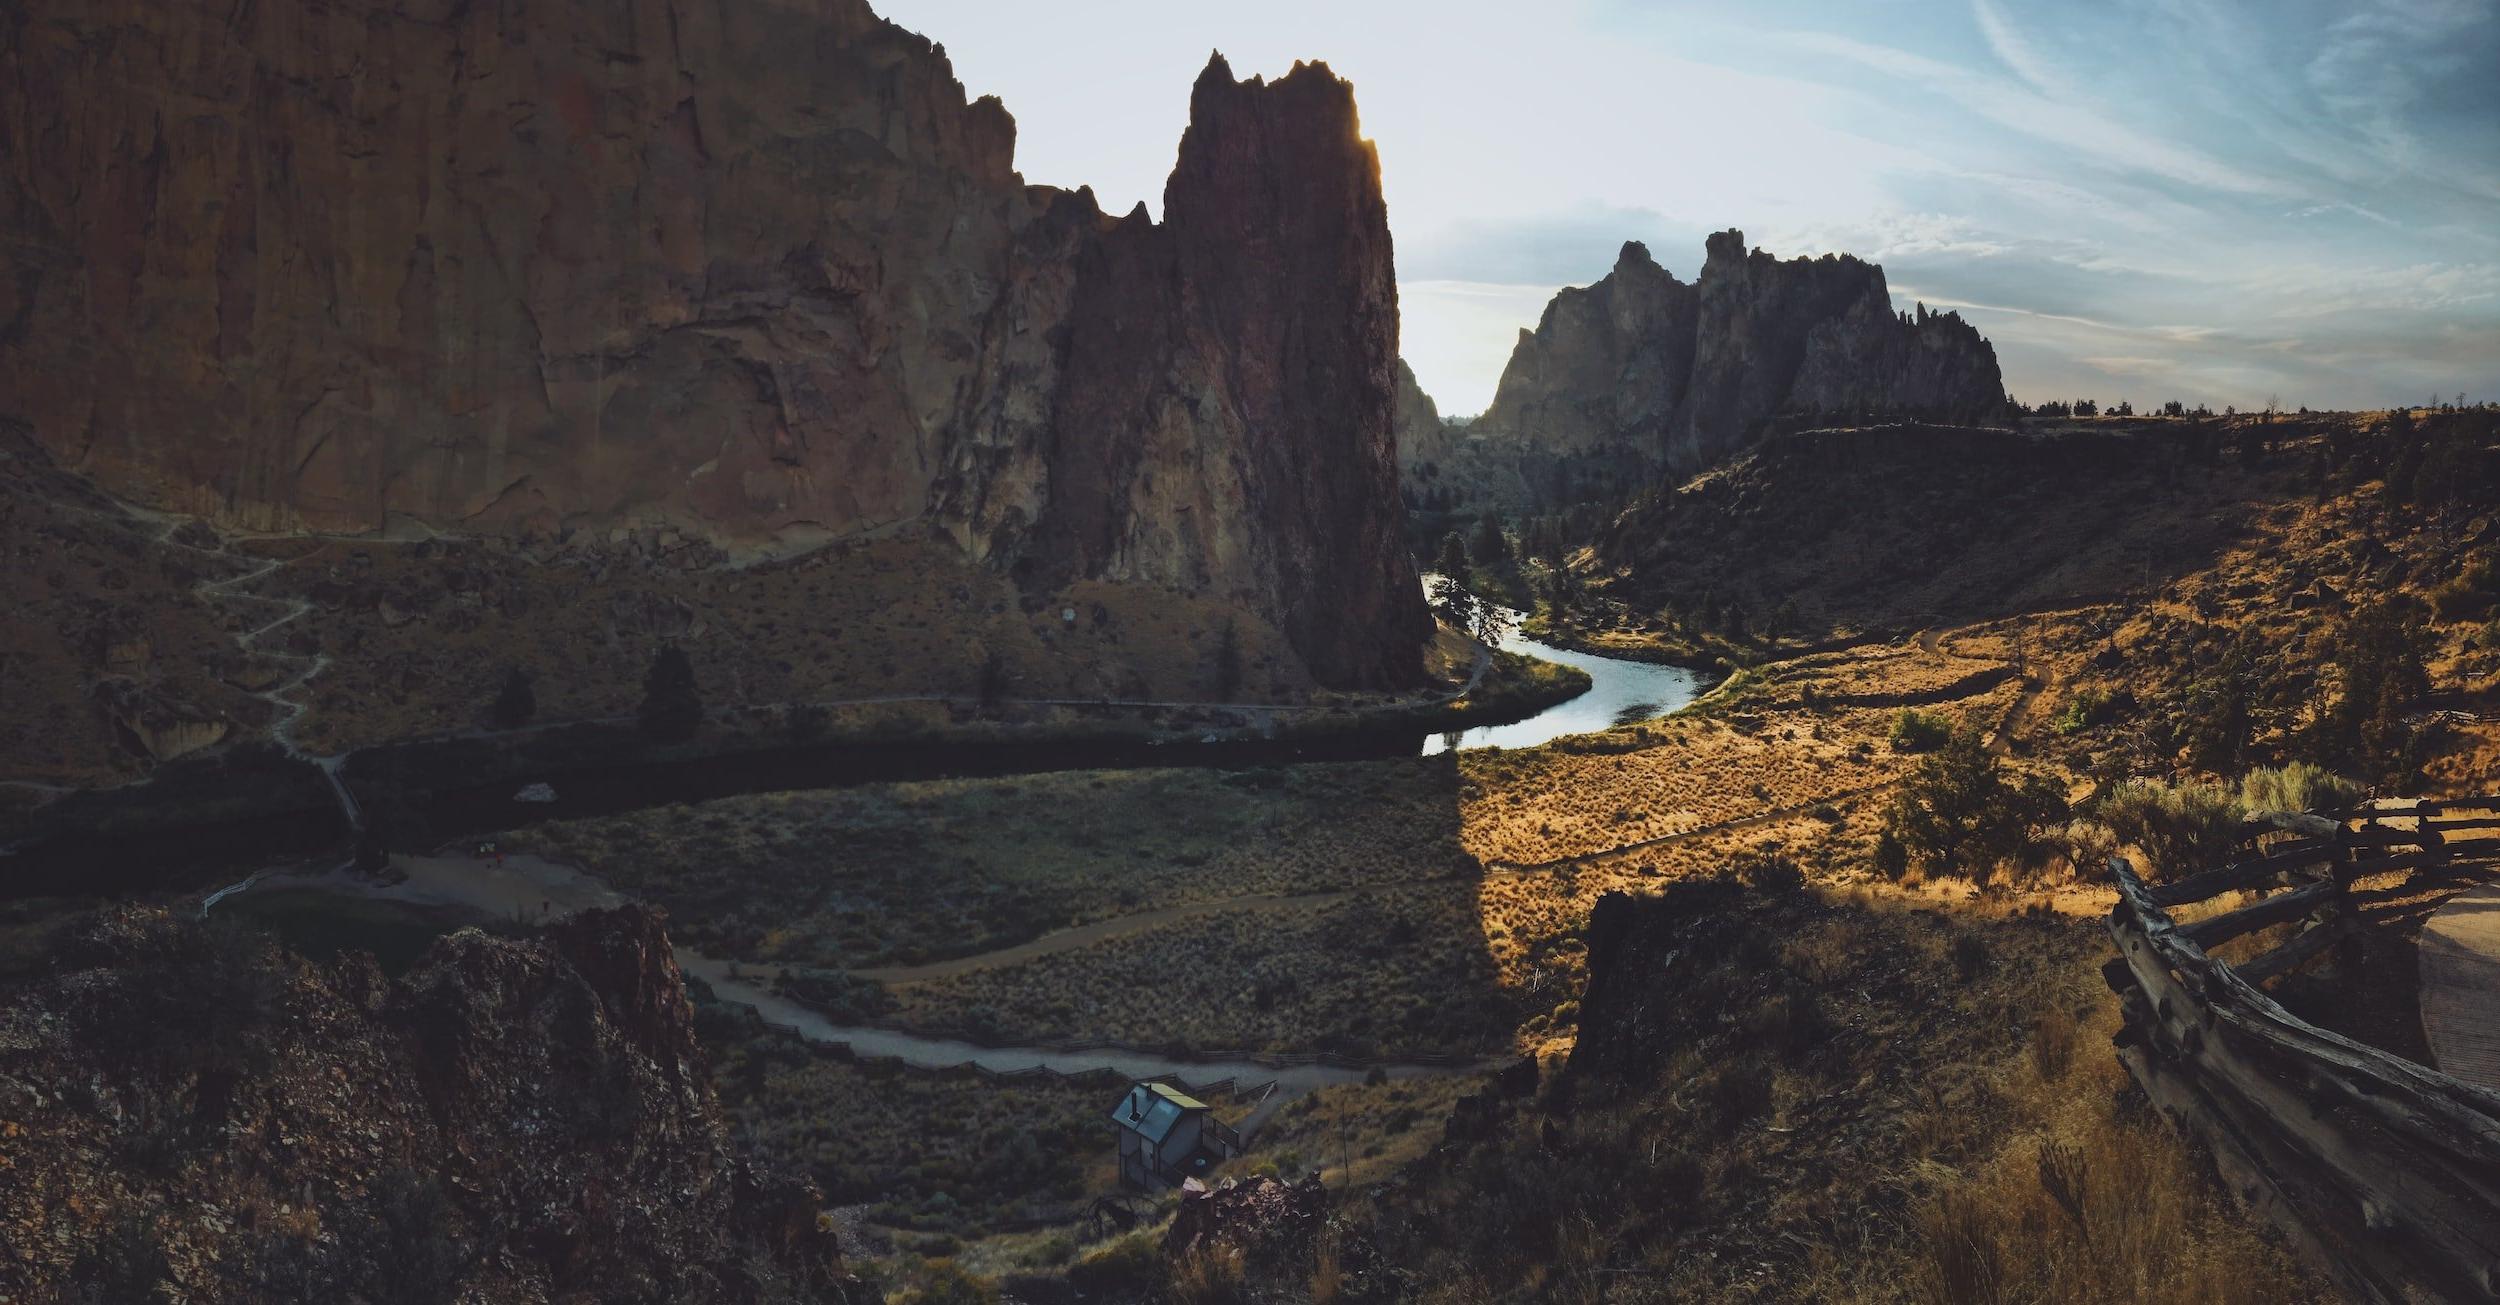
{"type": "Point", "coordinates": [189, 1110]}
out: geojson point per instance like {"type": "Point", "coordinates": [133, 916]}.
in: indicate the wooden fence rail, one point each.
{"type": "Point", "coordinates": [2386, 1172]}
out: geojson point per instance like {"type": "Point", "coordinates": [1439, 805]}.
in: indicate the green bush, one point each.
{"type": "Point", "coordinates": [1919, 731]}
{"type": "Point", "coordinates": [2182, 828]}
{"type": "Point", "coordinates": [2093, 706]}
{"type": "Point", "coordinates": [1958, 813]}
{"type": "Point", "coordinates": [2300, 786]}
{"type": "Point", "coordinates": [2469, 596]}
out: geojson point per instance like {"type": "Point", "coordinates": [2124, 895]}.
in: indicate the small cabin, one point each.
{"type": "Point", "coordinates": [1167, 1136]}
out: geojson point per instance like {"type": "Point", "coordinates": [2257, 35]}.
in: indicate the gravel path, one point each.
{"type": "Point", "coordinates": [2460, 985]}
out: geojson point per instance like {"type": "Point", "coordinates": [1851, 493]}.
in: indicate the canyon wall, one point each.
{"type": "Point", "coordinates": [1641, 375]}
{"type": "Point", "coordinates": [754, 270]}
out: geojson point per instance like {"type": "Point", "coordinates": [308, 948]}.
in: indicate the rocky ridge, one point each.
{"type": "Point", "coordinates": [1640, 375]}
{"type": "Point", "coordinates": [758, 272]}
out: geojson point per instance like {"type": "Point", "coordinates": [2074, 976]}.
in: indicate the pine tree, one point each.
{"type": "Point", "coordinates": [1488, 546]}
{"type": "Point", "coordinates": [672, 710]}
{"type": "Point", "coordinates": [516, 701]}
{"type": "Point", "coordinates": [1227, 663]}
{"type": "Point", "coordinates": [1453, 560]}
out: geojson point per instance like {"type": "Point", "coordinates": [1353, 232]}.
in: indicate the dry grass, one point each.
{"type": "Point", "coordinates": [901, 873]}
{"type": "Point", "coordinates": [1835, 1102]}
{"type": "Point", "coordinates": [422, 633]}
{"type": "Point", "coordinates": [1601, 791]}
{"type": "Point", "coordinates": [1356, 1134]}
{"type": "Point", "coordinates": [1400, 971]}
{"type": "Point", "coordinates": [2088, 1198]}
{"type": "Point", "coordinates": [940, 1155]}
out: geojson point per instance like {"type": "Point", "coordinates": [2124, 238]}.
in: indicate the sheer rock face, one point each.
{"type": "Point", "coordinates": [1249, 344]}
{"type": "Point", "coordinates": [1606, 366]}
{"type": "Point", "coordinates": [1421, 436]}
{"type": "Point", "coordinates": [1812, 336]}
{"type": "Point", "coordinates": [756, 270]}
{"type": "Point", "coordinates": [1641, 374]}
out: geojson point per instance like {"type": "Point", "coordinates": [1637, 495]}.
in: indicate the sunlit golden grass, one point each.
{"type": "Point", "coordinates": [1599, 792]}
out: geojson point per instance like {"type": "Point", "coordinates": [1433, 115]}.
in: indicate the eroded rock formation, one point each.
{"type": "Point", "coordinates": [194, 1113]}
{"type": "Point", "coordinates": [1641, 375]}
{"type": "Point", "coordinates": [756, 270]}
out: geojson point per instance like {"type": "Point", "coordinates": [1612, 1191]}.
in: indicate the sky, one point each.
{"type": "Point", "coordinates": [2219, 201]}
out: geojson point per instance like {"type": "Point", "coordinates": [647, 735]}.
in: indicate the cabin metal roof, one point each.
{"type": "Point", "coordinates": [1151, 1109]}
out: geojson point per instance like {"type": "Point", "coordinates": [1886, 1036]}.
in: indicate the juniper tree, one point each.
{"type": "Point", "coordinates": [672, 709]}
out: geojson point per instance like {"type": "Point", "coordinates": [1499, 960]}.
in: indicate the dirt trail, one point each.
{"type": "Point", "coordinates": [528, 888]}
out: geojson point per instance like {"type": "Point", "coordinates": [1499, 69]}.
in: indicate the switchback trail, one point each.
{"type": "Point", "coordinates": [530, 889]}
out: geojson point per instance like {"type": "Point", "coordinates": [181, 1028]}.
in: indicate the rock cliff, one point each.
{"type": "Point", "coordinates": [757, 271]}
{"type": "Point", "coordinates": [1641, 375]}
{"type": "Point", "coordinates": [194, 1114]}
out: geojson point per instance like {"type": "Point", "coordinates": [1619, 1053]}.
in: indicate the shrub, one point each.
{"type": "Point", "coordinates": [671, 708]}
{"type": "Point", "coordinates": [1892, 860]}
{"type": "Point", "coordinates": [2379, 660]}
{"type": "Point", "coordinates": [127, 1263]}
{"type": "Point", "coordinates": [2182, 828]}
{"type": "Point", "coordinates": [516, 701]}
{"type": "Point", "coordinates": [2091, 707]}
{"type": "Point", "coordinates": [2469, 597]}
{"type": "Point", "coordinates": [1769, 872]}
{"type": "Point", "coordinates": [1128, 1267]}
{"type": "Point", "coordinates": [808, 722]}
{"type": "Point", "coordinates": [1919, 731]}
{"type": "Point", "coordinates": [944, 1282]}
{"type": "Point", "coordinates": [2300, 786]}
{"type": "Point", "coordinates": [1956, 813]}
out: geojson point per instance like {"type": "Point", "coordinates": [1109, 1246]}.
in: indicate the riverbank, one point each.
{"type": "Point", "coordinates": [206, 817]}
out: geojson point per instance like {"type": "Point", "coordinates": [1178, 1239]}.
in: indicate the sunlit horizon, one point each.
{"type": "Point", "coordinates": [2216, 202]}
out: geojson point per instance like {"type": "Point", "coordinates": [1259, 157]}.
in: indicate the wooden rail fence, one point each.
{"type": "Point", "coordinates": [2384, 1171]}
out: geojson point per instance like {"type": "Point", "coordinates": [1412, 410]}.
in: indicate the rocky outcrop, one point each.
{"type": "Point", "coordinates": [1641, 375]}
{"type": "Point", "coordinates": [1606, 365]}
{"type": "Point", "coordinates": [192, 1114]}
{"type": "Point", "coordinates": [755, 271]}
{"type": "Point", "coordinates": [1272, 1225]}
{"type": "Point", "coordinates": [1224, 415]}
{"type": "Point", "coordinates": [1817, 338]}
{"type": "Point", "coordinates": [1422, 437]}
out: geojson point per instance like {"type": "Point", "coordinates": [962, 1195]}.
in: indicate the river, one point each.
{"type": "Point", "coordinates": [1620, 692]}
{"type": "Point", "coordinates": [346, 909]}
